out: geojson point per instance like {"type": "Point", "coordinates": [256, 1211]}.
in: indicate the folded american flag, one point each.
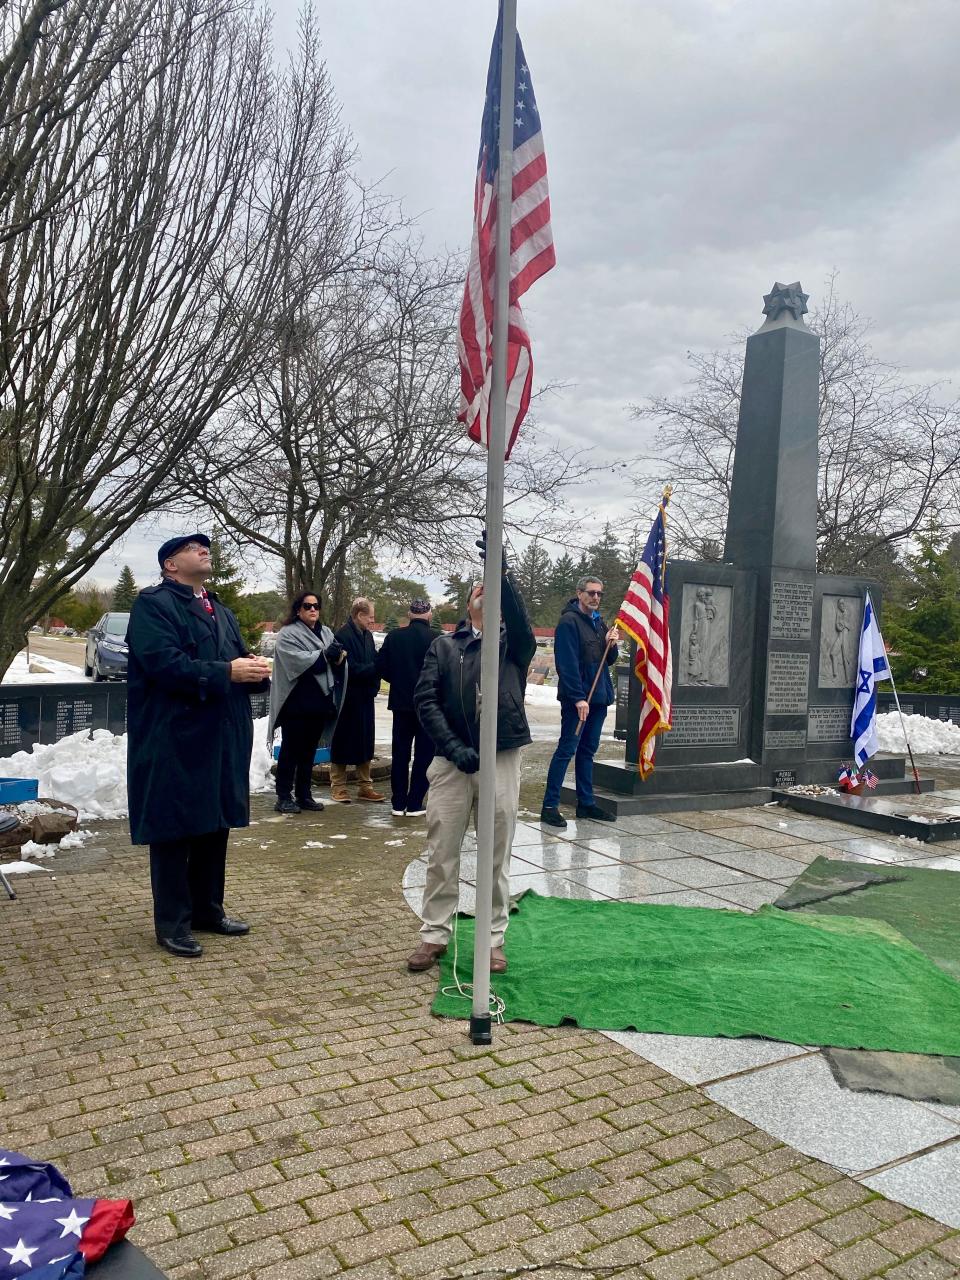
{"type": "Point", "coordinates": [45, 1232]}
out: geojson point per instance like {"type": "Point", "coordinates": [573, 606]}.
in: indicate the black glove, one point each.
{"type": "Point", "coordinates": [334, 651]}
{"type": "Point", "coordinates": [482, 544]}
{"type": "Point", "coordinates": [466, 759]}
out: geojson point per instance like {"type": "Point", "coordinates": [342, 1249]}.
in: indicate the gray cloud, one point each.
{"type": "Point", "coordinates": [696, 152]}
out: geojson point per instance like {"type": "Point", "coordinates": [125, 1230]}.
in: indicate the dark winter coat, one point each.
{"type": "Point", "coordinates": [354, 737]}
{"type": "Point", "coordinates": [446, 695]}
{"type": "Point", "coordinates": [400, 661]}
{"type": "Point", "coordinates": [189, 729]}
{"type": "Point", "coordinates": [578, 645]}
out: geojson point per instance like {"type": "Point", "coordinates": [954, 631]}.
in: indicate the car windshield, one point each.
{"type": "Point", "coordinates": [116, 624]}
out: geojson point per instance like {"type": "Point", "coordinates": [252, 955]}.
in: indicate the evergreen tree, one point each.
{"type": "Point", "coordinates": [125, 592]}
{"type": "Point", "coordinates": [456, 594]}
{"type": "Point", "coordinates": [397, 594]}
{"type": "Point", "coordinates": [923, 631]}
{"type": "Point", "coordinates": [228, 585]}
{"type": "Point", "coordinates": [605, 558]}
{"type": "Point", "coordinates": [533, 575]}
{"type": "Point", "coordinates": [561, 586]}
{"type": "Point", "coordinates": [391, 623]}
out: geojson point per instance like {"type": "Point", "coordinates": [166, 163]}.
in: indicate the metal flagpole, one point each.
{"type": "Point", "coordinates": [903, 727]}
{"type": "Point", "coordinates": [480, 1021]}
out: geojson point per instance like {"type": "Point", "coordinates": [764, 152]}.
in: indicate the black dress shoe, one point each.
{"type": "Point", "coordinates": [553, 818]}
{"type": "Point", "coordinates": [227, 925]}
{"type": "Point", "coordinates": [184, 945]}
{"type": "Point", "coordinates": [595, 812]}
{"type": "Point", "coordinates": [311, 805]}
{"type": "Point", "coordinates": [286, 805]}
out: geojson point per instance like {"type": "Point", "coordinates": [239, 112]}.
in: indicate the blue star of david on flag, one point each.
{"type": "Point", "coordinates": [873, 666]}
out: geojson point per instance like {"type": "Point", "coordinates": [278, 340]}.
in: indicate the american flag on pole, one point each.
{"type": "Point", "coordinates": [645, 615]}
{"type": "Point", "coordinates": [531, 252]}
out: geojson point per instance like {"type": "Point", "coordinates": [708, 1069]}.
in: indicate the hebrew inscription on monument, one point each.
{"type": "Point", "coordinates": [787, 678]}
{"type": "Point", "coordinates": [828, 724]}
{"type": "Point", "coordinates": [705, 635]}
{"type": "Point", "coordinates": [839, 636]}
{"type": "Point", "coordinates": [704, 727]}
{"type": "Point", "coordinates": [791, 610]}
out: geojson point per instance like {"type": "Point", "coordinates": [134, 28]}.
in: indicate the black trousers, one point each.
{"type": "Point", "coordinates": [187, 877]}
{"type": "Point", "coordinates": [298, 746]}
{"type": "Point", "coordinates": [409, 787]}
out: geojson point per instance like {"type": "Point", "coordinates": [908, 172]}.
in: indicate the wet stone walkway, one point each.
{"type": "Point", "coordinates": [286, 1108]}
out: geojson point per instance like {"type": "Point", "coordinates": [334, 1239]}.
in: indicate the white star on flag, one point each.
{"type": "Point", "coordinates": [72, 1224]}
{"type": "Point", "coordinates": [20, 1254]}
{"type": "Point", "coordinates": [7, 1211]}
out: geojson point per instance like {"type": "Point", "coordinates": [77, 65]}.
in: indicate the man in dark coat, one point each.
{"type": "Point", "coordinates": [447, 699]}
{"type": "Point", "coordinates": [189, 734]}
{"type": "Point", "coordinates": [583, 646]}
{"type": "Point", "coordinates": [353, 740]}
{"type": "Point", "coordinates": [400, 662]}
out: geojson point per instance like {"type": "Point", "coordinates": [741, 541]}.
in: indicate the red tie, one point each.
{"type": "Point", "coordinates": [206, 600]}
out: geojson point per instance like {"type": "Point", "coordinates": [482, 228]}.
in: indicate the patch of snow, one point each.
{"type": "Point", "coordinates": [927, 737]}
{"type": "Point", "coordinates": [338, 837]}
{"type": "Point", "coordinates": [317, 844]}
{"type": "Point", "coordinates": [33, 850]}
{"type": "Point", "coordinates": [18, 868]}
{"type": "Point", "coordinates": [394, 842]}
{"type": "Point", "coordinates": [542, 695]}
{"type": "Point", "coordinates": [54, 672]}
{"type": "Point", "coordinates": [75, 839]}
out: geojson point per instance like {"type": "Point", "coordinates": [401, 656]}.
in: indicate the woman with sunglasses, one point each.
{"type": "Point", "coordinates": [305, 695]}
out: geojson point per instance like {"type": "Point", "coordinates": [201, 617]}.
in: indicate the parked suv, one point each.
{"type": "Point", "coordinates": [106, 653]}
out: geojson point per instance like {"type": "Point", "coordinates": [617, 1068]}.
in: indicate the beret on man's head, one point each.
{"type": "Point", "coordinates": [420, 606]}
{"type": "Point", "coordinates": [173, 545]}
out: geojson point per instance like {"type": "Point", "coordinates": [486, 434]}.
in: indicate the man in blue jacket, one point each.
{"type": "Point", "coordinates": [189, 734]}
{"type": "Point", "coordinates": [579, 645]}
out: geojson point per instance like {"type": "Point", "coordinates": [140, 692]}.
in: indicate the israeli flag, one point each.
{"type": "Point", "coordinates": [872, 667]}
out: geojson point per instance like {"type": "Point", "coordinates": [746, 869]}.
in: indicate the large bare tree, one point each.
{"type": "Point", "coordinates": [153, 168]}
{"type": "Point", "coordinates": [889, 451]}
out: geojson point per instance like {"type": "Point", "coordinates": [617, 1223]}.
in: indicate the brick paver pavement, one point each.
{"type": "Point", "coordinates": [286, 1108]}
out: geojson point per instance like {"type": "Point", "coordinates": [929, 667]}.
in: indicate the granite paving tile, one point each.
{"type": "Point", "coordinates": [930, 1183]}
{"type": "Point", "coordinates": [697, 1059]}
{"type": "Point", "coordinates": [762, 863]}
{"type": "Point", "coordinates": [548, 884]}
{"type": "Point", "coordinates": [560, 856]}
{"type": "Point", "coordinates": [758, 893]}
{"type": "Point", "coordinates": [879, 850]}
{"type": "Point", "coordinates": [682, 898]}
{"type": "Point", "coordinates": [800, 1103]}
{"type": "Point", "coordinates": [627, 879]}
{"type": "Point", "coordinates": [696, 873]}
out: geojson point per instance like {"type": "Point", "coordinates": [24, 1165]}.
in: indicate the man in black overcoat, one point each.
{"type": "Point", "coordinates": [189, 735]}
{"type": "Point", "coordinates": [354, 737]}
{"type": "Point", "coordinates": [400, 662]}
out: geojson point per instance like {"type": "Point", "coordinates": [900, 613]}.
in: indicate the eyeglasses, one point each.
{"type": "Point", "coordinates": [311, 606]}
{"type": "Point", "coordinates": [193, 546]}
{"type": "Point", "coordinates": [589, 592]}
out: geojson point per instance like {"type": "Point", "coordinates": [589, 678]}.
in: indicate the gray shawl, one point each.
{"type": "Point", "coordinates": [296, 652]}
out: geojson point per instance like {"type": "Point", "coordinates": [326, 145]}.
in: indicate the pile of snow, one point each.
{"type": "Point", "coordinates": [56, 672]}
{"type": "Point", "coordinates": [927, 737]}
{"type": "Point", "coordinates": [541, 695]}
{"type": "Point", "coordinates": [90, 772]}
{"type": "Point", "coordinates": [18, 868]}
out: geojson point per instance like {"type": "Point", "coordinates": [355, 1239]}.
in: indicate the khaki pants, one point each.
{"type": "Point", "coordinates": [338, 776]}
{"type": "Point", "coordinates": [451, 801]}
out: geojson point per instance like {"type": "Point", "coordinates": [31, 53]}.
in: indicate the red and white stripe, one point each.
{"type": "Point", "coordinates": [531, 256]}
{"type": "Point", "coordinates": [645, 615]}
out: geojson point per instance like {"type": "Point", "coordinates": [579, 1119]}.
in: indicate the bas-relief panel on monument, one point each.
{"type": "Point", "coordinates": [839, 638]}
{"type": "Point", "coordinates": [704, 657]}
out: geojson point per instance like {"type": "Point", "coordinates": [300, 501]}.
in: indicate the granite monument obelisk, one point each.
{"type": "Point", "coordinates": [764, 647]}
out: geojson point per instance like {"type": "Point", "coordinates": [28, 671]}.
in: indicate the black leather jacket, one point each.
{"type": "Point", "coordinates": [446, 694]}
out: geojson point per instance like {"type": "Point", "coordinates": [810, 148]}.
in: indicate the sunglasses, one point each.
{"type": "Point", "coordinates": [598, 594]}
{"type": "Point", "coordinates": [311, 606]}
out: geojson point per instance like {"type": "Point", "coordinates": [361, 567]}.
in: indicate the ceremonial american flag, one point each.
{"type": "Point", "coordinates": [44, 1231]}
{"type": "Point", "coordinates": [531, 252]}
{"type": "Point", "coordinates": [645, 615]}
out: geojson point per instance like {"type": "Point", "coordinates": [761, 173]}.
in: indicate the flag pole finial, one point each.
{"type": "Point", "coordinates": [667, 493]}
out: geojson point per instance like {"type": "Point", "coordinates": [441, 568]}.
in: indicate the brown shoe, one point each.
{"type": "Point", "coordinates": [368, 793]}
{"type": "Point", "coordinates": [425, 956]}
{"type": "Point", "coordinates": [340, 795]}
{"type": "Point", "coordinates": [498, 961]}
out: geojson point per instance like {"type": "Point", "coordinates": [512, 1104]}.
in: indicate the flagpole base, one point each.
{"type": "Point", "coordinates": [481, 1028]}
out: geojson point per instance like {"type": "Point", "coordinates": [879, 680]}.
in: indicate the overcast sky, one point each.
{"type": "Point", "coordinates": [696, 152]}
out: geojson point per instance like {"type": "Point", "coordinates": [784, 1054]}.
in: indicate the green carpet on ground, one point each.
{"type": "Point", "coordinates": [801, 978]}
{"type": "Point", "coordinates": [921, 903]}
